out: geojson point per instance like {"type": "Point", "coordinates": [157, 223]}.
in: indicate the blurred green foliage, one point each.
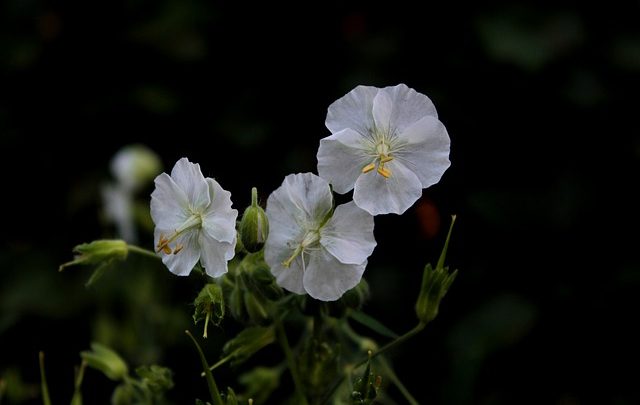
{"type": "Point", "coordinates": [540, 103]}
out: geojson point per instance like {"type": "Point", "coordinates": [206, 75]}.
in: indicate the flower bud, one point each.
{"type": "Point", "coordinates": [122, 395]}
{"type": "Point", "coordinates": [97, 252]}
{"type": "Point", "coordinates": [254, 227]}
{"type": "Point", "coordinates": [106, 360]}
{"type": "Point", "coordinates": [365, 388]}
{"type": "Point", "coordinates": [231, 398]}
{"type": "Point", "coordinates": [209, 306]}
{"type": "Point", "coordinates": [435, 284]}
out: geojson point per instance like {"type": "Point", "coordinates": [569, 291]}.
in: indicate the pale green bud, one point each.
{"type": "Point", "coordinates": [106, 360]}
{"type": "Point", "coordinates": [122, 395]}
{"type": "Point", "coordinates": [435, 284]}
{"type": "Point", "coordinates": [254, 227]}
{"type": "Point", "coordinates": [97, 252]}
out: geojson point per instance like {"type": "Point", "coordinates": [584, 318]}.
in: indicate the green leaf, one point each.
{"type": "Point", "coordinates": [247, 343]}
{"type": "Point", "coordinates": [372, 324]}
{"type": "Point", "coordinates": [213, 388]}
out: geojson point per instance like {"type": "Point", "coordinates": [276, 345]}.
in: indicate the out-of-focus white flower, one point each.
{"type": "Point", "coordinates": [194, 221]}
{"type": "Point", "coordinates": [135, 165]}
{"type": "Point", "coordinates": [311, 247]}
{"type": "Point", "coordinates": [387, 144]}
{"type": "Point", "coordinates": [118, 208]}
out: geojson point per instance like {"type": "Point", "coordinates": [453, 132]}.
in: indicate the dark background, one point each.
{"type": "Point", "coordinates": [541, 105]}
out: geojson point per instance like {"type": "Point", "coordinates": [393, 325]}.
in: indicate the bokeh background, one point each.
{"type": "Point", "coordinates": [541, 104]}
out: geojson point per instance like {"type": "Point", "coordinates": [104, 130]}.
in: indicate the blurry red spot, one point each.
{"type": "Point", "coordinates": [428, 217]}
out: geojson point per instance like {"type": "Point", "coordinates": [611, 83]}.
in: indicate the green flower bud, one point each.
{"type": "Point", "coordinates": [231, 398]}
{"type": "Point", "coordinates": [254, 227]}
{"type": "Point", "coordinates": [106, 360]}
{"type": "Point", "coordinates": [435, 284]}
{"type": "Point", "coordinates": [209, 306]}
{"type": "Point", "coordinates": [122, 395]}
{"type": "Point", "coordinates": [365, 388]}
{"type": "Point", "coordinates": [98, 252]}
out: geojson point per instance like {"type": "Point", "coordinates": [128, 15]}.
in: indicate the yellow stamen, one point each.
{"type": "Point", "coordinates": [384, 172]}
{"type": "Point", "coordinates": [178, 248]}
{"type": "Point", "coordinates": [385, 159]}
{"type": "Point", "coordinates": [165, 249]}
{"type": "Point", "coordinates": [368, 168]}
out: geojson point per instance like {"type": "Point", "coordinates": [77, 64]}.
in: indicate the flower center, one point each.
{"type": "Point", "coordinates": [194, 221]}
{"type": "Point", "coordinates": [382, 155]}
{"type": "Point", "coordinates": [310, 238]}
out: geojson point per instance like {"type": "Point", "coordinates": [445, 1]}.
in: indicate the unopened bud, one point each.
{"type": "Point", "coordinates": [97, 252]}
{"type": "Point", "coordinates": [254, 227]}
{"type": "Point", "coordinates": [435, 284]}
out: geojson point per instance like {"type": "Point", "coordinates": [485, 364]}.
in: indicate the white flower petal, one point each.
{"type": "Point", "coordinates": [326, 279]}
{"type": "Point", "coordinates": [188, 176]}
{"type": "Point", "coordinates": [169, 204]}
{"type": "Point", "coordinates": [341, 158]}
{"type": "Point", "coordinates": [182, 262]}
{"type": "Point", "coordinates": [409, 106]}
{"type": "Point", "coordinates": [379, 195]}
{"type": "Point", "coordinates": [305, 196]}
{"type": "Point", "coordinates": [219, 220]}
{"type": "Point", "coordinates": [215, 254]}
{"type": "Point", "coordinates": [383, 111]}
{"type": "Point", "coordinates": [353, 110]}
{"type": "Point", "coordinates": [348, 235]}
{"type": "Point", "coordinates": [426, 151]}
{"type": "Point", "coordinates": [290, 278]}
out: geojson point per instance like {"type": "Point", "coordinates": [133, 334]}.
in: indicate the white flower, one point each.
{"type": "Point", "coordinates": [118, 208]}
{"type": "Point", "coordinates": [387, 144]}
{"type": "Point", "coordinates": [134, 166]}
{"type": "Point", "coordinates": [311, 247]}
{"type": "Point", "coordinates": [194, 221]}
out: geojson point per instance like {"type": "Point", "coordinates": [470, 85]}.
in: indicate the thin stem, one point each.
{"type": "Point", "coordinates": [77, 393]}
{"type": "Point", "coordinates": [218, 364]}
{"type": "Point", "coordinates": [291, 361]}
{"type": "Point", "coordinates": [395, 342]}
{"type": "Point", "coordinates": [43, 382]}
{"type": "Point", "coordinates": [213, 388]}
{"type": "Point", "coordinates": [396, 381]}
{"type": "Point", "coordinates": [142, 251]}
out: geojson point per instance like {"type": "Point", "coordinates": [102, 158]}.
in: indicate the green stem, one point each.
{"type": "Point", "coordinates": [213, 388]}
{"type": "Point", "coordinates": [219, 363]}
{"type": "Point", "coordinates": [291, 361]}
{"type": "Point", "coordinates": [400, 339]}
{"type": "Point", "coordinates": [386, 369]}
{"type": "Point", "coordinates": [43, 382]}
{"type": "Point", "coordinates": [77, 394]}
{"type": "Point", "coordinates": [142, 251]}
